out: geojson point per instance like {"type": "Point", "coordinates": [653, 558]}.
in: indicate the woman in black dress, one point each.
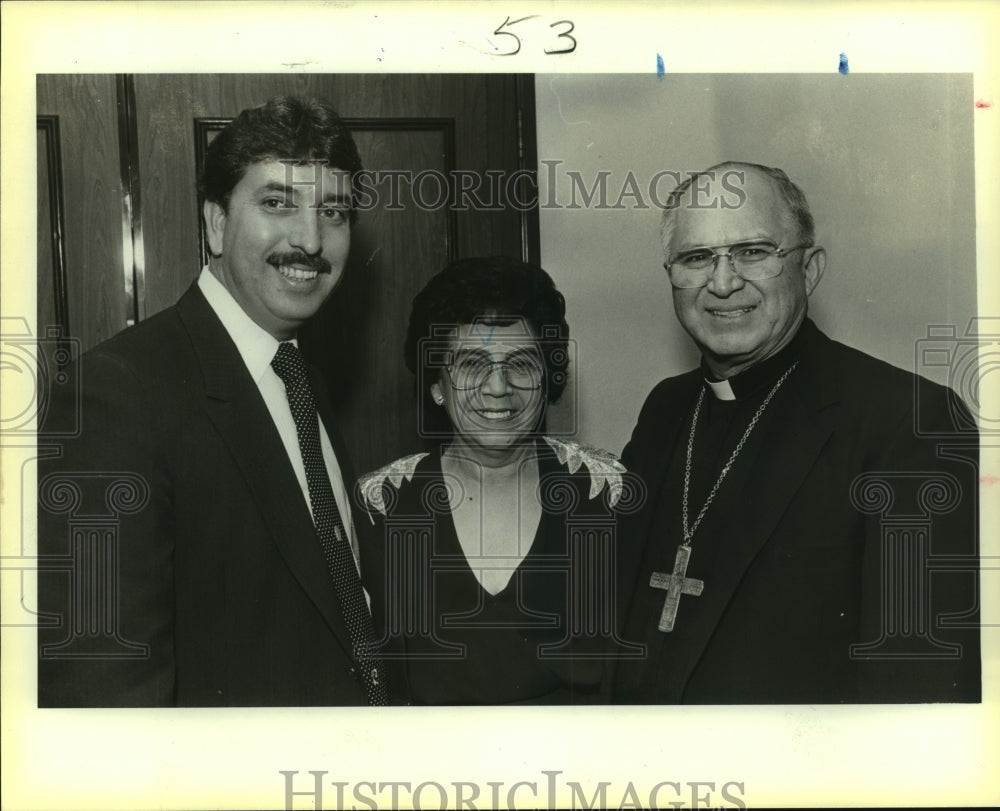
{"type": "Point", "coordinates": [498, 540]}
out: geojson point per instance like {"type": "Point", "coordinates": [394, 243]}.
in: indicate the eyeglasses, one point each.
{"type": "Point", "coordinates": [752, 261]}
{"type": "Point", "coordinates": [471, 371]}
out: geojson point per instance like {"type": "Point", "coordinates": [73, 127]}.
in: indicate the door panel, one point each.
{"type": "Point", "coordinates": [357, 339]}
{"type": "Point", "coordinates": [79, 158]}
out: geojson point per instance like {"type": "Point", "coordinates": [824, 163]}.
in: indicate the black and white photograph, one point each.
{"type": "Point", "coordinates": [621, 427]}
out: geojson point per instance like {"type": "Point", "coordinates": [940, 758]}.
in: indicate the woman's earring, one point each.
{"type": "Point", "coordinates": [438, 399]}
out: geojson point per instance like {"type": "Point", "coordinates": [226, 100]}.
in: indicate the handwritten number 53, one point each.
{"type": "Point", "coordinates": [567, 46]}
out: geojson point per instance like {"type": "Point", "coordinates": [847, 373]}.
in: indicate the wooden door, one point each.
{"type": "Point", "coordinates": [416, 123]}
{"type": "Point", "coordinates": [82, 285]}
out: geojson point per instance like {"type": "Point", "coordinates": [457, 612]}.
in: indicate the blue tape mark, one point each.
{"type": "Point", "coordinates": [485, 339]}
{"type": "Point", "coordinates": [660, 69]}
{"type": "Point", "coordinates": [843, 66]}
{"type": "Point", "coordinates": [488, 338]}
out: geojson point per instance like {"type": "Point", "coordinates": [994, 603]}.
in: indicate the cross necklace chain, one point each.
{"type": "Point", "coordinates": [677, 582]}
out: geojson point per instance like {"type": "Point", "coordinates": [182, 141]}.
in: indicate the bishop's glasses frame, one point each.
{"type": "Point", "coordinates": [751, 261]}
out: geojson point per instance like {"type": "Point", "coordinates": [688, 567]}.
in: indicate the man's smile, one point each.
{"type": "Point", "coordinates": [297, 274]}
{"type": "Point", "coordinates": [298, 266]}
{"type": "Point", "coordinates": [730, 312]}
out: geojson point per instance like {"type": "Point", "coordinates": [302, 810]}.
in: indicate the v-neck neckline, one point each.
{"type": "Point", "coordinates": [454, 544]}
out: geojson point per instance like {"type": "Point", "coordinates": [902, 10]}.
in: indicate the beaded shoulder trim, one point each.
{"type": "Point", "coordinates": [370, 485]}
{"type": "Point", "coordinates": [603, 466]}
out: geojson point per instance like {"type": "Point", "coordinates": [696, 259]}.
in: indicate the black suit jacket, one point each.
{"type": "Point", "coordinates": [848, 527]}
{"type": "Point", "coordinates": [203, 582]}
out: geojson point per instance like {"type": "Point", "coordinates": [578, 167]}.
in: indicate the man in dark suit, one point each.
{"type": "Point", "coordinates": [810, 529]}
{"type": "Point", "coordinates": [196, 537]}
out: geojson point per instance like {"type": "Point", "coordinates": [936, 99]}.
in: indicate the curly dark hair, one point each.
{"type": "Point", "coordinates": [494, 291]}
{"type": "Point", "coordinates": [285, 128]}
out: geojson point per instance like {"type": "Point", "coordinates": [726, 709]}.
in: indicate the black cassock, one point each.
{"type": "Point", "coordinates": [839, 555]}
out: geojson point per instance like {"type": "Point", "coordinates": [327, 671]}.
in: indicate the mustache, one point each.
{"type": "Point", "coordinates": [317, 263]}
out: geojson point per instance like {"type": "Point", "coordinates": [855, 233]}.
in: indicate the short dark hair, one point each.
{"type": "Point", "coordinates": [285, 128]}
{"type": "Point", "coordinates": [798, 206]}
{"type": "Point", "coordinates": [492, 290]}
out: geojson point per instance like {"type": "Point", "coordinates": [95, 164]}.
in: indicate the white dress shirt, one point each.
{"type": "Point", "coordinates": [258, 347]}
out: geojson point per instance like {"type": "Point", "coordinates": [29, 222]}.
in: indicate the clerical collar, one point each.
{"type": "Point", "coordinates": [722, 389]}
{"type": "Point", "coordinates": [762, 374]}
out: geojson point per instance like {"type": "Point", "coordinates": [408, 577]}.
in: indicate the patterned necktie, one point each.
{"type": "Point", "coordinates": [289, 366]}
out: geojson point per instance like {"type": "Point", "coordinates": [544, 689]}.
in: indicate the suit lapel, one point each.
{"type": "Point", "coordinates": [237, 410]}
{"type": "Point", "coordinates": [793, 436]}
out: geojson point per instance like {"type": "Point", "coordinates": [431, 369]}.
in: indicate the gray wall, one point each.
{"type": "Point", "coordinates": [886, 162]}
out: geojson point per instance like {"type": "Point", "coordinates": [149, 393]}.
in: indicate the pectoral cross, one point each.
{"type": "Point", "coordinates": [675, 584]}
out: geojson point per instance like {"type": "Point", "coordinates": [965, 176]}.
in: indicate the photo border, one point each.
{"type": "Point", "coordinates": [784, 755]}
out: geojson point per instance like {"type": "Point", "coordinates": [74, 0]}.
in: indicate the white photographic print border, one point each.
{"type": "Point", "coordinates": [711, 756]}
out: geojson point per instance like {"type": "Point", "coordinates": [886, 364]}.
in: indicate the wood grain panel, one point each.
{"type": "Point", "coordinates": [85, 104]}
{"type": "Point", "coordinates": [165, 111]}
{"type": "Point", "coordinates": [357, 340]}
